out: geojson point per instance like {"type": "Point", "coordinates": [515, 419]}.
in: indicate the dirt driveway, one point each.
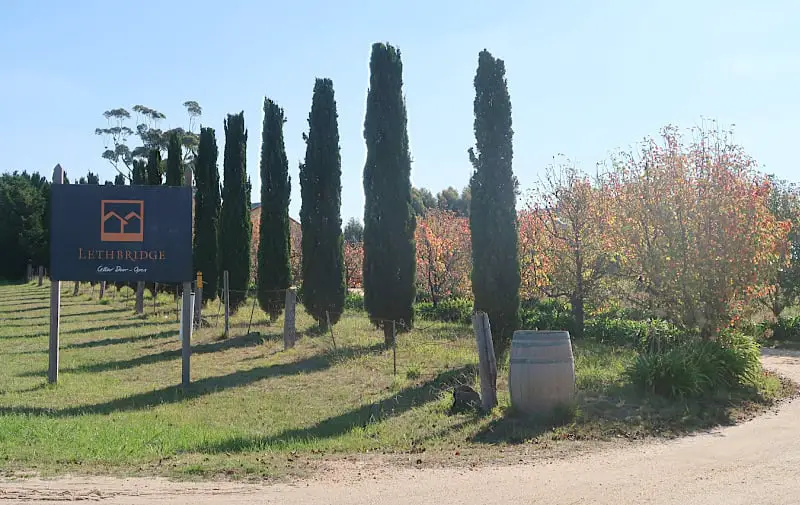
{"type": "Point", "coordinates": [754, 463]}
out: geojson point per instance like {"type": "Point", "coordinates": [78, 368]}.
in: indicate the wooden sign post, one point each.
{"type": "Point", "coordinates": [55, 305]}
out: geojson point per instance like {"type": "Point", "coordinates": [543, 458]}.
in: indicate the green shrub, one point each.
{"type": "Point", "coordinates": [742, 357]}
{"type": "Point", "coordinates": [613, 310]}
{"type": "Point", "coordinates": [671, 373]}
{"type": "Point", "coordinates": [698, 367]}
{"type": "Point", "coordinates": [786, 328]}
{"type": "Point", "coordinates": [550, 314]}
{"type": "Point", "coordinates": [760, 331]}
{"type": "Point", "coordinates": [354, 301]}
{"type": "Point", "coordinates": [451, 310]}
{"type": "Point", "coordinates": [644, 335]}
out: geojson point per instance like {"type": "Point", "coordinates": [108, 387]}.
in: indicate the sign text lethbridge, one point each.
{"type": "Point", "coordinates": [121, 233]}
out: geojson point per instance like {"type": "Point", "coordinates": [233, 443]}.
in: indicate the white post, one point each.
{"type": "Point", "coordinates": [55, 306]}
{"type": "Point", "coordinates": [487, 363]}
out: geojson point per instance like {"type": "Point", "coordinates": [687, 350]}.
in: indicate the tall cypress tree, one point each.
{"type": "Point", "coordinates": [119, 179]}
{"type": "Point", "coordinates": [138, 173]}
{"type": "Point", "coordinates": [320, 213]}
{"type": "Point", "coordinates": [493, 215]}
{"type": "Point", "coordinates": [274, 269]}
{"type": "Point", "coordinates": [206, 214]}
{"type": "Point", "coordinates": [235, 228]}
{"type": "Point", "coordinates": [389, 224]}
{"type": "Point", "coordinates": [154, 168]}
{"type": "Point", "coordinates": [174, 161]}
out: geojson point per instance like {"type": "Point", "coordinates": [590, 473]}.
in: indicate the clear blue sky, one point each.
{"type": "Point", "coordinates": [585, 77]}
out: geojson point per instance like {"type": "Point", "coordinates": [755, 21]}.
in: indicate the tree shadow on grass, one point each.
{"type": "Point", "coordinates": [517, 428]}
{"type": "Point", "coordinates": [110, 341]}
{"type": "Point", "coordinates": [24, 308]}
{"type": "Point", "coordinates": [26, 318]}
{"type": "Point", "coordinates": [622, 411]}
{"type": "Point", "coordinates": [395, 405]}
{"type": "Point", "coordinates": [244, 341]}
{"type": "Point", "coordinates": [23, 299]}
{"type": "Point", "coordinates": [92, 329]}
{"type": "Point", "coordinates": [201, 387]}
{"type": "Point", "coordinates": [33, 307]}
{"type": "Point", "coordinates": [110, 311]}
{"type": "Point", "coordinates": [17, 326]}
{"type": "Point", "coordinates": [39, 321]}
{"type": "Point", "coordinates": [111, 327]}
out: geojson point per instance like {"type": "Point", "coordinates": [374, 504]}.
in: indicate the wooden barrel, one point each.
{"type": "Point", "coordinates": [542, 371]}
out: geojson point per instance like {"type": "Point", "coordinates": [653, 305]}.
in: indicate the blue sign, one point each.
{"type": "Point", "coordinates": [120, 233]}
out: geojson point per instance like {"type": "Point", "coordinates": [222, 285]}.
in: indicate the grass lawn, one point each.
{"type": "Point", "coordinates": [254, 410]}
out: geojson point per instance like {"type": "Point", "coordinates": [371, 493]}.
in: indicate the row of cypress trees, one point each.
{"type": "Point", "coordinates": [389, 223]}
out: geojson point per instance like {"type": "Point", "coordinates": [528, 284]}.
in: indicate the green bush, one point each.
{"type": "Point", "coordinates": [613, 310]}
{"type": "Point", "coordinates": [550, 314]}
{"type": "Point", "coordinates": [787, 328]}
{"type": "Point", "coordinates": [354, 301]}
{"type": "Point", "coordinates": [671, 373]}
{"type": "Point", "coordinates": [451, 310]}
{"type": "Point", "coordinates": [644, 335]}
{"type": "Point", "coordinates": [697, 367]}
{"type": "Point", "coordinates": [741, 359]}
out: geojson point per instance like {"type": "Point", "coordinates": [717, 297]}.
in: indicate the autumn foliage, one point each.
{"type": "Point", "coordinates": [566, 241]}
{"type": "Point", "coordinates": [353, 263]}
{"type": "Point", "coordinates": [686, 230]}
{"type": "Point", "coordinates": [443, 254]}
{"type": "Point", "coordinates": [683, 230]}
{"type": "Point", "coordinates": [695, 229]}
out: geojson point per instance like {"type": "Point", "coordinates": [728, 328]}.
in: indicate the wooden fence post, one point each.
{"type": "Point", "coordinates": [198, 300]}
{"type": "Point", "coordinates": [29, 273]}
{"type": "Point", "coordinates": [102, 289]}
{"type": "Point", "coordinates": [330, 327]}
{"type": "Point", "coordinates": [55, 306]}
{"type": "Point", "coordinates": [41, 275]}
{"type": "Point", "coordinates": [394, 347]}
{"type": "Point", "coordinates": [289, 333]}
{"type": "Point", "coordinates": [487, 363]}
{"type": "Point", "coordinates": [155, 298]}
{"type": "Point", "coordinates": [77, 288]}
{"type": "Point", "coordinates": [139, 297]}
{"type": "Point", "coordinates": [227, 293]}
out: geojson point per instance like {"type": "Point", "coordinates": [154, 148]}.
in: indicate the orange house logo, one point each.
{"type": "Point", "coordinates": [123, 221]}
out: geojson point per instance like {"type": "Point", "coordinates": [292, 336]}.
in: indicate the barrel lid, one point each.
{"type": "Point", "coordinates": [537, 335]}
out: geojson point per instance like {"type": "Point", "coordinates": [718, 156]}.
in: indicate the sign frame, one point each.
{"type": "Point", "coordinates": [121, 233]}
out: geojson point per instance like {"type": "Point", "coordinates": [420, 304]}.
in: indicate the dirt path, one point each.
{"type": "Point", "coordinates": [754, 463]}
